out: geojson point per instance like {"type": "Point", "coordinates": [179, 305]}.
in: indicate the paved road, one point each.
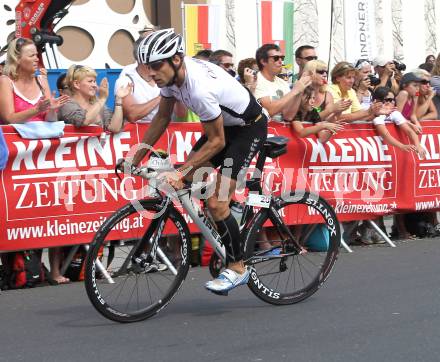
{"type": "Point", "coordinates": [380, 304]}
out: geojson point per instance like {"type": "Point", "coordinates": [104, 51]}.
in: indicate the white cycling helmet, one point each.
{"type": "Point", "coordinates": [160, 45]}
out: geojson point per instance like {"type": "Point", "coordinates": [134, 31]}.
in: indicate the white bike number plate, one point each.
{"type": "Point", "coordinates": [258, 200]}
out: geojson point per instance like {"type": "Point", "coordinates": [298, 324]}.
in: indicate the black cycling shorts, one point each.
{"type": "Point", "coordinates": [242, 144]}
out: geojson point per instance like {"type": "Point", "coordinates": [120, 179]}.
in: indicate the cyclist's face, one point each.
{"type": "Point", "coordinates": [162, 72]}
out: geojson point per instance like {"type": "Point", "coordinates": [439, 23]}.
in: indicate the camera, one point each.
{"type": "Point", "coordinates": [374, 81]}
{"type": "Point", "coordinates": [399, 66]}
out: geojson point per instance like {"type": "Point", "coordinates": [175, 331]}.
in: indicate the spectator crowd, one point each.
{"type": "Point", "coordinates": [316, 101]}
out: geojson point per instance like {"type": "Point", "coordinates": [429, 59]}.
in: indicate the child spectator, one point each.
{"type": "Point", "coordinates": [85, 108]}
{"type": "Point", "coordinates": [307, 113]}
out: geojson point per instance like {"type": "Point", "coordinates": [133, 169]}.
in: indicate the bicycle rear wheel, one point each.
{"type": "Point", "coordinates": [279, 273]}
{"type": "Point", "coordinates": [124, 288]}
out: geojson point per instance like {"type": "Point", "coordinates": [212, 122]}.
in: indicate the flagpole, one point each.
{"type": "Point", "coordinates": [258, 23]}
{"type": "Point", "coordinates": [182, 10]}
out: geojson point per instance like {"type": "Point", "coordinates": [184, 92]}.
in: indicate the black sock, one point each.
{"type": "Point", "coordinates": [230, 233]}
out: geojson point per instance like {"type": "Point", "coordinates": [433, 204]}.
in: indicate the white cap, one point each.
{"type": "Point", "coordinates": [381, 61]}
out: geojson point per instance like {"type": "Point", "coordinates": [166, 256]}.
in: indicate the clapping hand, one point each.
{"type": "Point", "coordinates": [341, 105]}
{"type": "Point", "coordinates": [103, 89]}
{"type": "Point", "coordinates": [124, 91]}
{"type": "Point", "coordinates": [55, 103]}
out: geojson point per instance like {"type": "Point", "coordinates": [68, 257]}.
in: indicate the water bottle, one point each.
{"type": "Point", "coordinates": [237, 211]}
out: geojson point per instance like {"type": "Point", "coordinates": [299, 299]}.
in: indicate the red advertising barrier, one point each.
{"type": "Point", "coordinates": [59, 191]}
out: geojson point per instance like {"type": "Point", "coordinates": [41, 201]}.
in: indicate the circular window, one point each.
{"type": "Point", "coordinates": [120, 47]}
{"type": "Point", "coordinates": [81, 39]}
{"type": "Point", "coordinates": [121, 7]}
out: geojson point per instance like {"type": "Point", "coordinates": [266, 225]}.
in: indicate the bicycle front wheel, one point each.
{"type": "Point", "coordinates": [290, 262]}
{"type": "Point", "coordinates": [122, 285]}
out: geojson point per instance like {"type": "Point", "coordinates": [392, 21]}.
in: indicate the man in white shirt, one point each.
{"type": "Point", "coordinates": [143, 103]}
{"type": "Point", "coordinates": [272, 92]}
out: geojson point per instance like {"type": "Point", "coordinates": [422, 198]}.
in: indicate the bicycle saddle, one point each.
{"type": "Point", "coordinates": [276, 146]}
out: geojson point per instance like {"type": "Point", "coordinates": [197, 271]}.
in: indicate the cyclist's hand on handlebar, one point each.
{"type": "Point", "coordinates": [127, 167]}
{"type": "Point", "coordinates": [173, 178]}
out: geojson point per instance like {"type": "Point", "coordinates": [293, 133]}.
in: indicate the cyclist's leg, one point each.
{"type": "Point", "coordinates": [235, 274]}
{"type": "Point", "coordinates": [242, 145]}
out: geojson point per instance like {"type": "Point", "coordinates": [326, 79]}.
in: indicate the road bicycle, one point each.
{"type": "Point", "coordinates": [133, 278]}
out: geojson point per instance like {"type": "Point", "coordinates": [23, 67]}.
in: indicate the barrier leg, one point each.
{"type": "Point", "coordinates": [345, 245]}
{"type": "Point", "coordinates": [381, 233]}
{"type": "Point", "coordinates": [68, 259]}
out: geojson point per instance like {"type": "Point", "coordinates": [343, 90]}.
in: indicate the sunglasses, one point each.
{"type": "Point", "coordinates": [228, 65]}
{"type": "Point", "coordinates": [309, 58]}
{"type": "Point", "coordinates": [388, 100]}
{"type": "Point", "coordinates": [424, 81]}
{"type": "Point", "coordinates": [156, 65]}
{"type": "Point", "coordinates": [19, 43]}
{"type": "Point", "coordinates": [277, 57]}
{"type": "Point", "coordinates": [322, 71]}
{"type": "Point", "coordinates": [75, 69]}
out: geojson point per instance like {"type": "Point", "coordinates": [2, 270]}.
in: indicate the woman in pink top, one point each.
{"type": "Point", "coordinates": [407, 99]}
{"type": "Point", "coordinates": [25, 97]}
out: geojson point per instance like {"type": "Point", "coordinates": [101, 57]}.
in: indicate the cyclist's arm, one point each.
{"type": "Point", "coordinates": [214, 131]}
{"type": "Point", "coordinates": [157, 127]}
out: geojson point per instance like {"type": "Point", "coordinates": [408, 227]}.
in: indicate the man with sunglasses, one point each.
{"type": "Point", "coordinates": [234, 130]}
{"type": "Point", "coordinates": [272, 92]}
{"type": "Point", "coordinates": [223, 59]}
{"type": "Point", "coordinates": [303, 54]}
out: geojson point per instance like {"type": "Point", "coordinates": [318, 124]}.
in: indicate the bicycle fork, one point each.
{"type": "Point", "coordinates": [150, 239]}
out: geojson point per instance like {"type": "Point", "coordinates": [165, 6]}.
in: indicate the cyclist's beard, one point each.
{"type": "Point", "coordinates": [176, 71]}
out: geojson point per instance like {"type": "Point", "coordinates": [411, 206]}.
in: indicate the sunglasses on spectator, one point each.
{"type": "Point", "coordinates": [157, 64]}
{"type": "Point", "coordinates": [277, 57]}
{"type": "Point", "coordinates": [424, 81]}
{"type": "Point", "coordinates": [75, 69]}
{"type": "Point", "coordinates": [228, 65]}
{"type": "Point", "coordinates": [322, 71]}
{"type": "Point", "coordinates": [309, 58]}
{"type": "Point", "coordinates": [19, 43]}
{"type": "Point", "coordinates": [389, 100]}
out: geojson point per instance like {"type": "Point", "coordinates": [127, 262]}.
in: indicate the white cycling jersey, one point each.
{"type": "Point", "coordinates": [209, 91]}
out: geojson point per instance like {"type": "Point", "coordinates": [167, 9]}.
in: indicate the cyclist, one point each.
{"type": "Point", "coordinates": [234, 129]}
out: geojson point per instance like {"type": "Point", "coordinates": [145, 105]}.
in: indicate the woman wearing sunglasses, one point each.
{"type": "Point", "coordinates": [26, 96]}
{"type": "Point", "coordinates": [385, 96]}
{"type": "Point", "coordinates": [87, 104]}
{"type": "Point", "coordinates": [323, 99]}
